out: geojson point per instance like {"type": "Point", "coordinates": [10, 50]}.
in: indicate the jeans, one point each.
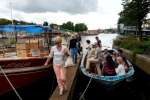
{"type": "Point", "coordinates": [74, 52]}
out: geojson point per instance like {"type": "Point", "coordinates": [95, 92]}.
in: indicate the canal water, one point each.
{"type": "Point", "coordinates": [106, 39]}
{"type": "Point", "coordinates": [136, 89]}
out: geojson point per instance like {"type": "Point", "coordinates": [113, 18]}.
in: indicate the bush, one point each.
{"type": "Point", "coordinates": [133, 44]}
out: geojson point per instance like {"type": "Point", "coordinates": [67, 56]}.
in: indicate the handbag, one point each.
{"type": "Point", "coordinates": [69, 62]}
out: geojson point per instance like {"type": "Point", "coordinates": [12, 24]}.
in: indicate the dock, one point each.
{"type": "Point", "coordinates": [71, 80]}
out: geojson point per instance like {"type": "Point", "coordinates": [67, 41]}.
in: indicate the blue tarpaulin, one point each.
{"type": "Point", "coordinates": [30, 29]}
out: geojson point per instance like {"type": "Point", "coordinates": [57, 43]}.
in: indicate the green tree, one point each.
{"type": "Point", "coordinates": [15, 22]}
{"type": "Point", "coordinates": [45, 23]}
{"type": "Point", "coordinates": [69, 26]}
{"type": "Point", "coordinates": [24, 23]}
{"type": "Point", "coordinates": [134, 13]}
{"type": "Point", "coordinates": [54, 26]}
{"type": "Point", "coordinates": [80, 27]}
{"type": "Point", "coordinates": [4, 21]}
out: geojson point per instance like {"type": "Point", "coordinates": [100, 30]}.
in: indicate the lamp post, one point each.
{"type": "Point", "coordinates": [11, 10]}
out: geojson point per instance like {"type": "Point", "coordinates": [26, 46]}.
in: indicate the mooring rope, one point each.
{"type": "Point", "coordinates": [17, 94]}
{"type": "Point", "coordinates": [86, 88]}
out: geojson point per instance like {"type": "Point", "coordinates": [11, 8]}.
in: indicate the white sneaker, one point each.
{"type": "Point", "coordinates": [61, 92]}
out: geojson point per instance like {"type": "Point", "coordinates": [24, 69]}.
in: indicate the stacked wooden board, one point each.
{"type": "Point", "coordinates": [30, 49]}
{"type": "Point", "coordinates": [21, 50]}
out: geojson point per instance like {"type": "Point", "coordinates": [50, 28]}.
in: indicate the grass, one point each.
{"type": "Point", "coordinates": [133, 44]}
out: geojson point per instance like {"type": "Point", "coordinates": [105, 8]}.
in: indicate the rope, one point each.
{"type": "Point", "coordinates": [17, 94]}
{"type": "Point", "coordinates": [86, 88]}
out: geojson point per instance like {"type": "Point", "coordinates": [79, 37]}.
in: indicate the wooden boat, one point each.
{"type": "Point", "coordinates": [107, 81]}
{"type": "Point", "coordinates": [21, 72]}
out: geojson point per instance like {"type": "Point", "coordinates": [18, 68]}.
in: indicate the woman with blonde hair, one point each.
{"type": "Point", "coordinates": [58, 53]}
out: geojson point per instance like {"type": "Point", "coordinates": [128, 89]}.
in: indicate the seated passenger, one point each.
{"type": "Point", "coordinates": [114, 58]}
{"type": "Point", "coordinates": [127, 64]}
{"type": "Point", "coordinates": [120, 52]}
{"type": "Point", "coordinates": [120, 70]}
{"type": "Point", "coordinates": [95, 59]}
{"type": "Point", "coordinates": [92, 52]}
{"type": "Point", "coordinates": [104, 55]}
{"type": "Point", "coordinates": [109, 67]}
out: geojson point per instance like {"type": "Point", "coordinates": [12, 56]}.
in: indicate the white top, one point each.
{"type": "Point", "coordinates": [92, 53]}
{"type": "Point", "coordinates": [98, 53]}
{"type": "Point", "coordinates": [88, 47]}
{"type": "Point", "coordinates": [120, 70]}
{"type": "Point", "coordinates": [58, 56]}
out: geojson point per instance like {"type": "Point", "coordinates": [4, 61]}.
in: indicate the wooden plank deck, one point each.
{"type": "Point", "coordinates": [71, 74]}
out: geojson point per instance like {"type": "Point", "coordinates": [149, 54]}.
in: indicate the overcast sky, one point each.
{"type": "Point", "coordinates": [95, 13]}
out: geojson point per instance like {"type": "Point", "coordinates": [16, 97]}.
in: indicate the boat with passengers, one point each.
{"type": "Point", "coordinates": [104, 80]}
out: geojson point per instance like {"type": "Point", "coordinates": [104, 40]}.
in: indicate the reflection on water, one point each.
{"type": "Point", "coordinates": [106, 39]}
